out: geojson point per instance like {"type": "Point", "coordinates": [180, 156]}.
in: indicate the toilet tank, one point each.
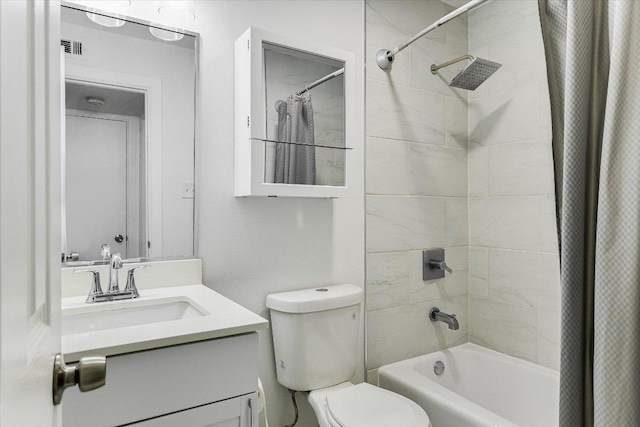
{"type": "Point", "coordinates": [315, 335]}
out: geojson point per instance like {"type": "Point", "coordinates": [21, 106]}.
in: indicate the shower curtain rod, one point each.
{"type": "Point", "coordinates": [320, 81]}
{"type": "Point", "coordinates": [385, 57]}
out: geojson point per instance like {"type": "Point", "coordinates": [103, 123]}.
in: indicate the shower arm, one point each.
{"type": "Point", "coordinates": [435, 68]}
{"type": "Point", "coordinates": [385, 57]}
{"type": "Point", "coordinates": [321, 80]}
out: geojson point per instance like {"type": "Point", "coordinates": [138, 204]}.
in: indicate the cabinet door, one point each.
{"type": "Point", "coordinates": [237, 412]}
{"type": "Point", "coordinates": [167, 380]}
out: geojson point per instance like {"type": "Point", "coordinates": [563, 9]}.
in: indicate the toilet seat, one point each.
{"type": "Point", "coordinates": [364, 405]}
{"type": "Point", "coordinates": [332, 421]}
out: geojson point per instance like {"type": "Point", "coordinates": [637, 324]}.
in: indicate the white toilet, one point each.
{"type": "Point", "coordinates": [315, 338]}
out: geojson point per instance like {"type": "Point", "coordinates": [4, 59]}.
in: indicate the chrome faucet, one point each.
{"type": "Point", "coordinates": [450, 319]}
{"type": "Point", "coordinates": [96, 289]}
{"type": "Point", "coordinates": [113, 292]}
{"type": "Point", "coordinates": [131, 281]}
{"type": "Point", "coordinates": [115, 264]}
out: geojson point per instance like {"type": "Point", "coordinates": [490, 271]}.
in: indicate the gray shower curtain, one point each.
{"type": "Point", "coordinates": [295, 164]}
{"type": "Point", "coordinates": [593, 57]}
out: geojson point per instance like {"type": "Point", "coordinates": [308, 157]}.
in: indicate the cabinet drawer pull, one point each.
{"type": "Point", "coordinates": [251, 412]}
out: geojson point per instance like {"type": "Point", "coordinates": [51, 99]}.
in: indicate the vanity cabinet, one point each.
{"type": "Point", "coordinates": [204, 383]}
{"type": "Point", "coordinates": [228, 413]}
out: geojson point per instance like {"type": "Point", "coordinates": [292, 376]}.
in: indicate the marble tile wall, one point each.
{"type": "Point", "coordinates": [417, 183]}
{"type": "Point", "coordinates": [468, 171]}
{"type": "Point", "coordinates": [514, 290]}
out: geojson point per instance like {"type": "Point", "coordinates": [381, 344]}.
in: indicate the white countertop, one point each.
{"type": "Point", "coordinates": [222, 318]}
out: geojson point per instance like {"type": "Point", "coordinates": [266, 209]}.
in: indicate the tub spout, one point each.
{"type": "Point", "coordinates": [450, 319]}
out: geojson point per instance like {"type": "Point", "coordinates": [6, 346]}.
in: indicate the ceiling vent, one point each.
{"type": "Point", "coordinates": [72, 47]}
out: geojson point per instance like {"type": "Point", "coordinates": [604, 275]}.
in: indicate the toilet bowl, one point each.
{"type": "Point", "coordinates": [365, 405]}
{"type": "Point", "coordinates": [315, 339]}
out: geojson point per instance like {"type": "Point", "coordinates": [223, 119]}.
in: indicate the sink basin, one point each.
{"type": "Point", "coordinates": [160, 317]}
{"type": "Point", "coordinates": [102, 316]}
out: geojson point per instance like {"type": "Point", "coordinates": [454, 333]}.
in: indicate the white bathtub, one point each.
{"type": "Point", "coordinates": [479, 388]}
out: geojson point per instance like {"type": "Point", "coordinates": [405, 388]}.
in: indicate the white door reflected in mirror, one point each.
{"type": "Point", "coordinates": [96, 157]}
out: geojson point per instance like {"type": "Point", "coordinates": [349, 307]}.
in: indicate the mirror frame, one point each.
{"type": "Point", "coordinates": [251, 116]}
{"type": "Point", "coordinates": [151, 88]}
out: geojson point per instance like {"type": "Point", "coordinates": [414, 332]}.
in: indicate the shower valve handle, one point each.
{"type": "Point", "coordinates": [440, 265]}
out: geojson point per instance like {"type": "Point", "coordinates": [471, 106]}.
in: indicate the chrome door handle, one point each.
{"type": "Point", "coordinates": [89, 374]}
{"type": "Point", "coordinates": [119, 238]}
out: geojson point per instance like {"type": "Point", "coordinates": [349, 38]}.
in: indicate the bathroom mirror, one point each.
{"type": "Point", "coordinates": [292, 100]}
{"type": "Point", "coordinates": [128, 143]}
{"type": "Point", "coordinates": [311, 117]}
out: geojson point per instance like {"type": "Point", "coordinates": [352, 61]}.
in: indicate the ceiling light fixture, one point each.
{"type": "Point", "coordinates": [105, 21]}
{"type": "Point", "coordinates": [111, 19]}
{"type": "Point", "coordinates": [95, 101]}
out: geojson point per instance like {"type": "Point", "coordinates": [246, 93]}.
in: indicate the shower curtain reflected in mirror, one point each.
{"type": "Point", "coordinates": [593, 52]}
{"type": "Point", "coordinates": [295, 163]}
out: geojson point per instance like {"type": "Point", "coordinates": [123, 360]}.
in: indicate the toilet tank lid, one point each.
{"type": "Point", "coordinates": [316, 299]}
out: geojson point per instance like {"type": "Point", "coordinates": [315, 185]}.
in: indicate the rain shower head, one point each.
{"type": "Point", "coordinates": [473, 75]}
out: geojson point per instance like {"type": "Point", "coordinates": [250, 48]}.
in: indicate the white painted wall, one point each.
{"type": "Point", "coordinates": [175, 68]}
{"type": "Point", "coordinates": [251, 247]}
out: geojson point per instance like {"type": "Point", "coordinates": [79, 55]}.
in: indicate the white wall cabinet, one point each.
{"type": "Point", "coordinates": [265, 64]}
{"type": "Point", "coordinates": [205, 383]}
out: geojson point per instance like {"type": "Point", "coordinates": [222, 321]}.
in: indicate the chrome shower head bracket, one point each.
{"type": "Point", "coordinates": [435, 68]}
{"type": "Point", "coordinates": [384, 58]}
